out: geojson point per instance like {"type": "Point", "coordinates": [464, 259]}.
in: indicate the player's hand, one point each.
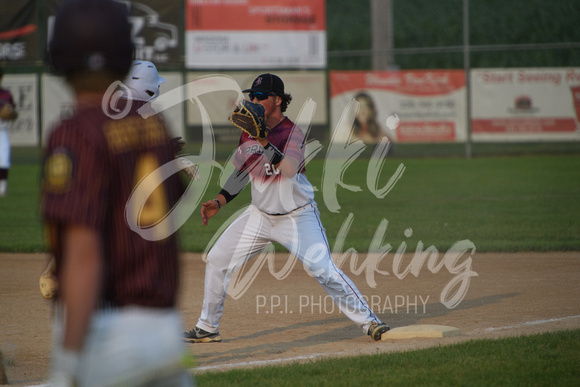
{"type": "Point", "coordinates": [208, 210]}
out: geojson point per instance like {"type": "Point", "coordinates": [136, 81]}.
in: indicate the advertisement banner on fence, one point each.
{"type": "Point", "coordinates": [406, 106]}
{"type": "Point", "coordinates": [526, 104]}
{"type": "Point", "coordinates": [254, 34]}
{"type": "Point", "coordinates": [24, 130]}
{"type": "Point", "coordinates": [157, 29]}
{"type": "Point", "coordinates": [58, 103]}
{"type": "Point", "coordinates": [19, 33]}
{"type": "Point", "coordinates": [218, 99]}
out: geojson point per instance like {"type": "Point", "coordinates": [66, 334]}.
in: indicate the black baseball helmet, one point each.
{"type": "Point", "coordinates": [92, 35]}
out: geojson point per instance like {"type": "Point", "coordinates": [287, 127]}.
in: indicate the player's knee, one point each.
{"type": "Point", "coordinates": [322, 279]}
{"type": "Point", "coordinates": [317, 259]}
{"type": "Point", "coordinates": [330, 280]}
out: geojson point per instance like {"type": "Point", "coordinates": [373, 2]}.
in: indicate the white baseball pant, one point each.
{"type": "Point", "coordinates": [301, 232]}
{"type": "Point", "coordinates": [128, 347]}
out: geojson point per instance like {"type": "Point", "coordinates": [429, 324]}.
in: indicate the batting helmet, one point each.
{"type": "Point", "coordinates": [143, 80]}
{"type": "Point", "coordinates": [92, 35]}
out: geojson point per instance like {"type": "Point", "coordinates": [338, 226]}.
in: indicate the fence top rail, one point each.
{"type": "Point", "coordinates": [460, 48]}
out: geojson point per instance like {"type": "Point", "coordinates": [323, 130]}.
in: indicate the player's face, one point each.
{"type": "Point", "coordinates": [270, 104]}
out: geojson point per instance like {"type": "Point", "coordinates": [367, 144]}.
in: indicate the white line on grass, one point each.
{"type": "Point", "coordinates": [530, 323]}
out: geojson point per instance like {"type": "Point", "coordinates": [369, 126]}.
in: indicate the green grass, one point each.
{"type": "Point", "coordinates": [499, 203]}
{"type": "Point", "coordinates": [523, 203]}
{"type": "Point", "coordinates": [549, 359]}
{"type": "Point", "coordinates": [20, 226]}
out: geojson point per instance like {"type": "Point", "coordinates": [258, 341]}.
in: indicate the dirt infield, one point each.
{"type": "Point", "coordinates": [276, 319]}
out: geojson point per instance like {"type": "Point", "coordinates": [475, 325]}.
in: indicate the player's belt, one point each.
{"type": "Point", "coordinates": [294, 210]}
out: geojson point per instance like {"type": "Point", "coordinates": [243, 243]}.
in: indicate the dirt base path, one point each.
{"type": "Point", "coordinates": [279, 315]}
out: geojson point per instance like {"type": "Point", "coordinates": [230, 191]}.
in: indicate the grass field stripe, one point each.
{"type": "Point", "coordinates": [536, 322]}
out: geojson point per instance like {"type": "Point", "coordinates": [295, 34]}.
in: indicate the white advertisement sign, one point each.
{"type": "Point", "coordinates": [405, 106]}
{"type": "Point", "coordinates": [24, 130]}
{"type": "Point", "coordinates": [526, 104]}
{"type": "Point", "coordinates": [58, 103]}
{"type": "Point", "coordinates": [301, 85]}
{"type": "Point", "coordinates": [219, 103]}
{"type": "Point", "coordinates": [255, 34]}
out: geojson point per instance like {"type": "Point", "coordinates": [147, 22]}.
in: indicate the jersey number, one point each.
{"type": "Point", "coordinates": [150, 207]}
{"type": "Point", "coordinates": [271, 169]}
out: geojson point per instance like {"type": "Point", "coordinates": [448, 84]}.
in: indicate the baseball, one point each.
{"type": "Point", "coordinates": [393, 121]}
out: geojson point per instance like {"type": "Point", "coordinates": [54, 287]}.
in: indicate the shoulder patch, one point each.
{"type": "Point", "coordinates": [58, 171]}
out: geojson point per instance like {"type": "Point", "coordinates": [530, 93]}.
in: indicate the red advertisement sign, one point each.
{"type": "Point", "coordinates": [251, 34]}
{"type": "Point", "coordinates": [256, 15]}
{"type": "Point", "coordinates": [429, 105]}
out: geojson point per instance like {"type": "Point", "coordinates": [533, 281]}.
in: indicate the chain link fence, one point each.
{"type": "Point", "coordinates": [428, 34]}
{"type": "Point", "coordinates": [456, 34]}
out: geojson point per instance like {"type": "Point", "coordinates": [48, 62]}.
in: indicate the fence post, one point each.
{"type": "Point", "coordinates": [466, 66]}
{"type": "Point", "coordinates": [382, 34]}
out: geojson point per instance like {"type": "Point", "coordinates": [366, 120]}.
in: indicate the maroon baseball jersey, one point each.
{"type": "Point", "coordinates": [92, 164]}
{"type": "Point", "coordinates": [5, 97]}
{"type": "Point", "coordinates": [285, 136]}
{"type": "Point", "coordinates": [272, 192]}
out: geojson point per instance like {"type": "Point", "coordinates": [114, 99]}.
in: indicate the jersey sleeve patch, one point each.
{"type": "Point", "coordinates": [58, 171]}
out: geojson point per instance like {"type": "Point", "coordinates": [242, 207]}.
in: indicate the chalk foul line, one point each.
{"type": "Point", "coordinates": [321, 355]}
{"type": "Point", "coordinates": [531, 323]}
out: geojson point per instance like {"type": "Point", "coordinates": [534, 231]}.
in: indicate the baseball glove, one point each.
{"type": "Point", "coordinates": [7, 112]}
{"type": "Point", "coordinates": [250, 118]}
{"type": "Point", "coordinates": [178, 144]}
{"type": "Point", "coordinates": [190, 169]}
{"type": "Point", "coordinates": [48, 282]}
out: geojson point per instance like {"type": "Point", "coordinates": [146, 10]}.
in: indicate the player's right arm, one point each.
{"type": "Point", "coordinates": [233, 186]}
{"type": "Point", "coordinates": [81, 282]}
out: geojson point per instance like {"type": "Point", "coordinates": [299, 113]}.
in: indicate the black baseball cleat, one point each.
{"type": "Point", "coordinates": [198, 335]}
{"type": "Point", "coordinates": [377, 329]}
